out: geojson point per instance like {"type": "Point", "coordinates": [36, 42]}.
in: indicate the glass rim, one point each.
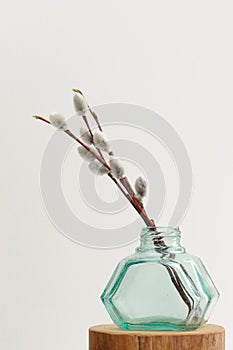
{"type": "Point", "coordinates": [161, 230]}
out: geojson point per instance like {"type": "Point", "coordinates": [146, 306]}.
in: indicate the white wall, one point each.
{"type": "Point", "coordinates": [174, 57]}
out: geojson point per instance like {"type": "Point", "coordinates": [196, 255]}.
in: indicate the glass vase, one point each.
{"type": "Point", "coordinates": [160, 286]}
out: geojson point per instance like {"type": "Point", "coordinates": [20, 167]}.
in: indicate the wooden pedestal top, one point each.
{"type": "Point", "coordinates": [110, 337]}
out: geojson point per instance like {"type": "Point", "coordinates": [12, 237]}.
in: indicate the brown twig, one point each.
{"type": "Point", "coordinates": [184, 293]}
{"type": "Point", "coordinates": [88, 126]}
{"type": "Point", "coordinates": [119, 186]}
{"type": "Point", "coordinates": [125, 182]}
{"type": "Point", "coordinates": [94, 115]}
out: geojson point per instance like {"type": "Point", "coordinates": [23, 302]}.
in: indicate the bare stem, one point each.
{"type": "Point", "coordinates": [94, 115]}
{"type": "Point", "coordinates": [125, 182]}
{"type": "Point", "coordinates": [88, 126]}
{"type": "Point", "coordinates": [119, 186]}
{"type": "Point", "coordinates": [137, 205]}
{"type": "Point", "coordinates": [41, 118]}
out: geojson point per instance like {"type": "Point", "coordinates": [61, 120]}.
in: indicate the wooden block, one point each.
{"type": "Point", "coordinates": [110, 337]}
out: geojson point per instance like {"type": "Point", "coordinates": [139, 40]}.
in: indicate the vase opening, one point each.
{"type": "Point", "coordinates": [161, 239]}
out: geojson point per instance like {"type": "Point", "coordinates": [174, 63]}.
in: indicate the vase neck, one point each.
{"type": "Point", "coordinates": [161, 239]}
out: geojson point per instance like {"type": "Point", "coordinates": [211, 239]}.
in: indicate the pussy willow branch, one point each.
{"type": "Point", "coordinates": [134, 203]}
{"type": "Point", "coordinates": [139, 208]}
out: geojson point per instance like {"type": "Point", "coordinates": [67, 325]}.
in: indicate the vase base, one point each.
{"type": "Point", "coordinates": [161, 324]}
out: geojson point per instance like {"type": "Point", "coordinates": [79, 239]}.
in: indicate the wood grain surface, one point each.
{"type": "Point", "coordinates": [110, 337]}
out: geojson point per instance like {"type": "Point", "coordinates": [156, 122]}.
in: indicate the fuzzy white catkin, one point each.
{"type": "Point", "coordinates": [80, 104]}
{"type": "Point", "coordinates": [140, 187]}
{"type": "Point", "coordinates": [58, 121]}
{"type": "Point", "coordinates": [101, 142]}
{"type": "Point", "coordinates": [85, 136]}
{"type": "Point", "coordinates": [97, 168]}
{"type": "Point", "coordinates": [85, 154]}
{"type": "Point", "coordinates": [116, 168]}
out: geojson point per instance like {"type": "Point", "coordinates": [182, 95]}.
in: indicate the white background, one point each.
{"type": "Point", "coordinates": [174, 57]}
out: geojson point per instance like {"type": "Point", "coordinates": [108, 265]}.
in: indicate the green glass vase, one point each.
{"type": "Point", "coordinates": [160, 286]}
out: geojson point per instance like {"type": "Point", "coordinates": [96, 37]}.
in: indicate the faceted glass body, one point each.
{"type": "Point", "coordinates": [160, 286]}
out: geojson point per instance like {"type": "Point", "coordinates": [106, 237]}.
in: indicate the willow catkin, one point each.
{"type": "Point", "coordinates": [116, 168]}
{"type": "Point", "coordinates": [80, 104]}
{"type": "Point", "coordinates": [85, 136]}
{"type": "Point", "coordinates": [97, 168]}
{"type": "Point", "coordinates": [58, 121]}
{"type": "Point", "coordinates": [101, 142]}
{"type": "Point", "coordinates": [85, 154]}
{"type": "Point", "coordinates": [140, 187]}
